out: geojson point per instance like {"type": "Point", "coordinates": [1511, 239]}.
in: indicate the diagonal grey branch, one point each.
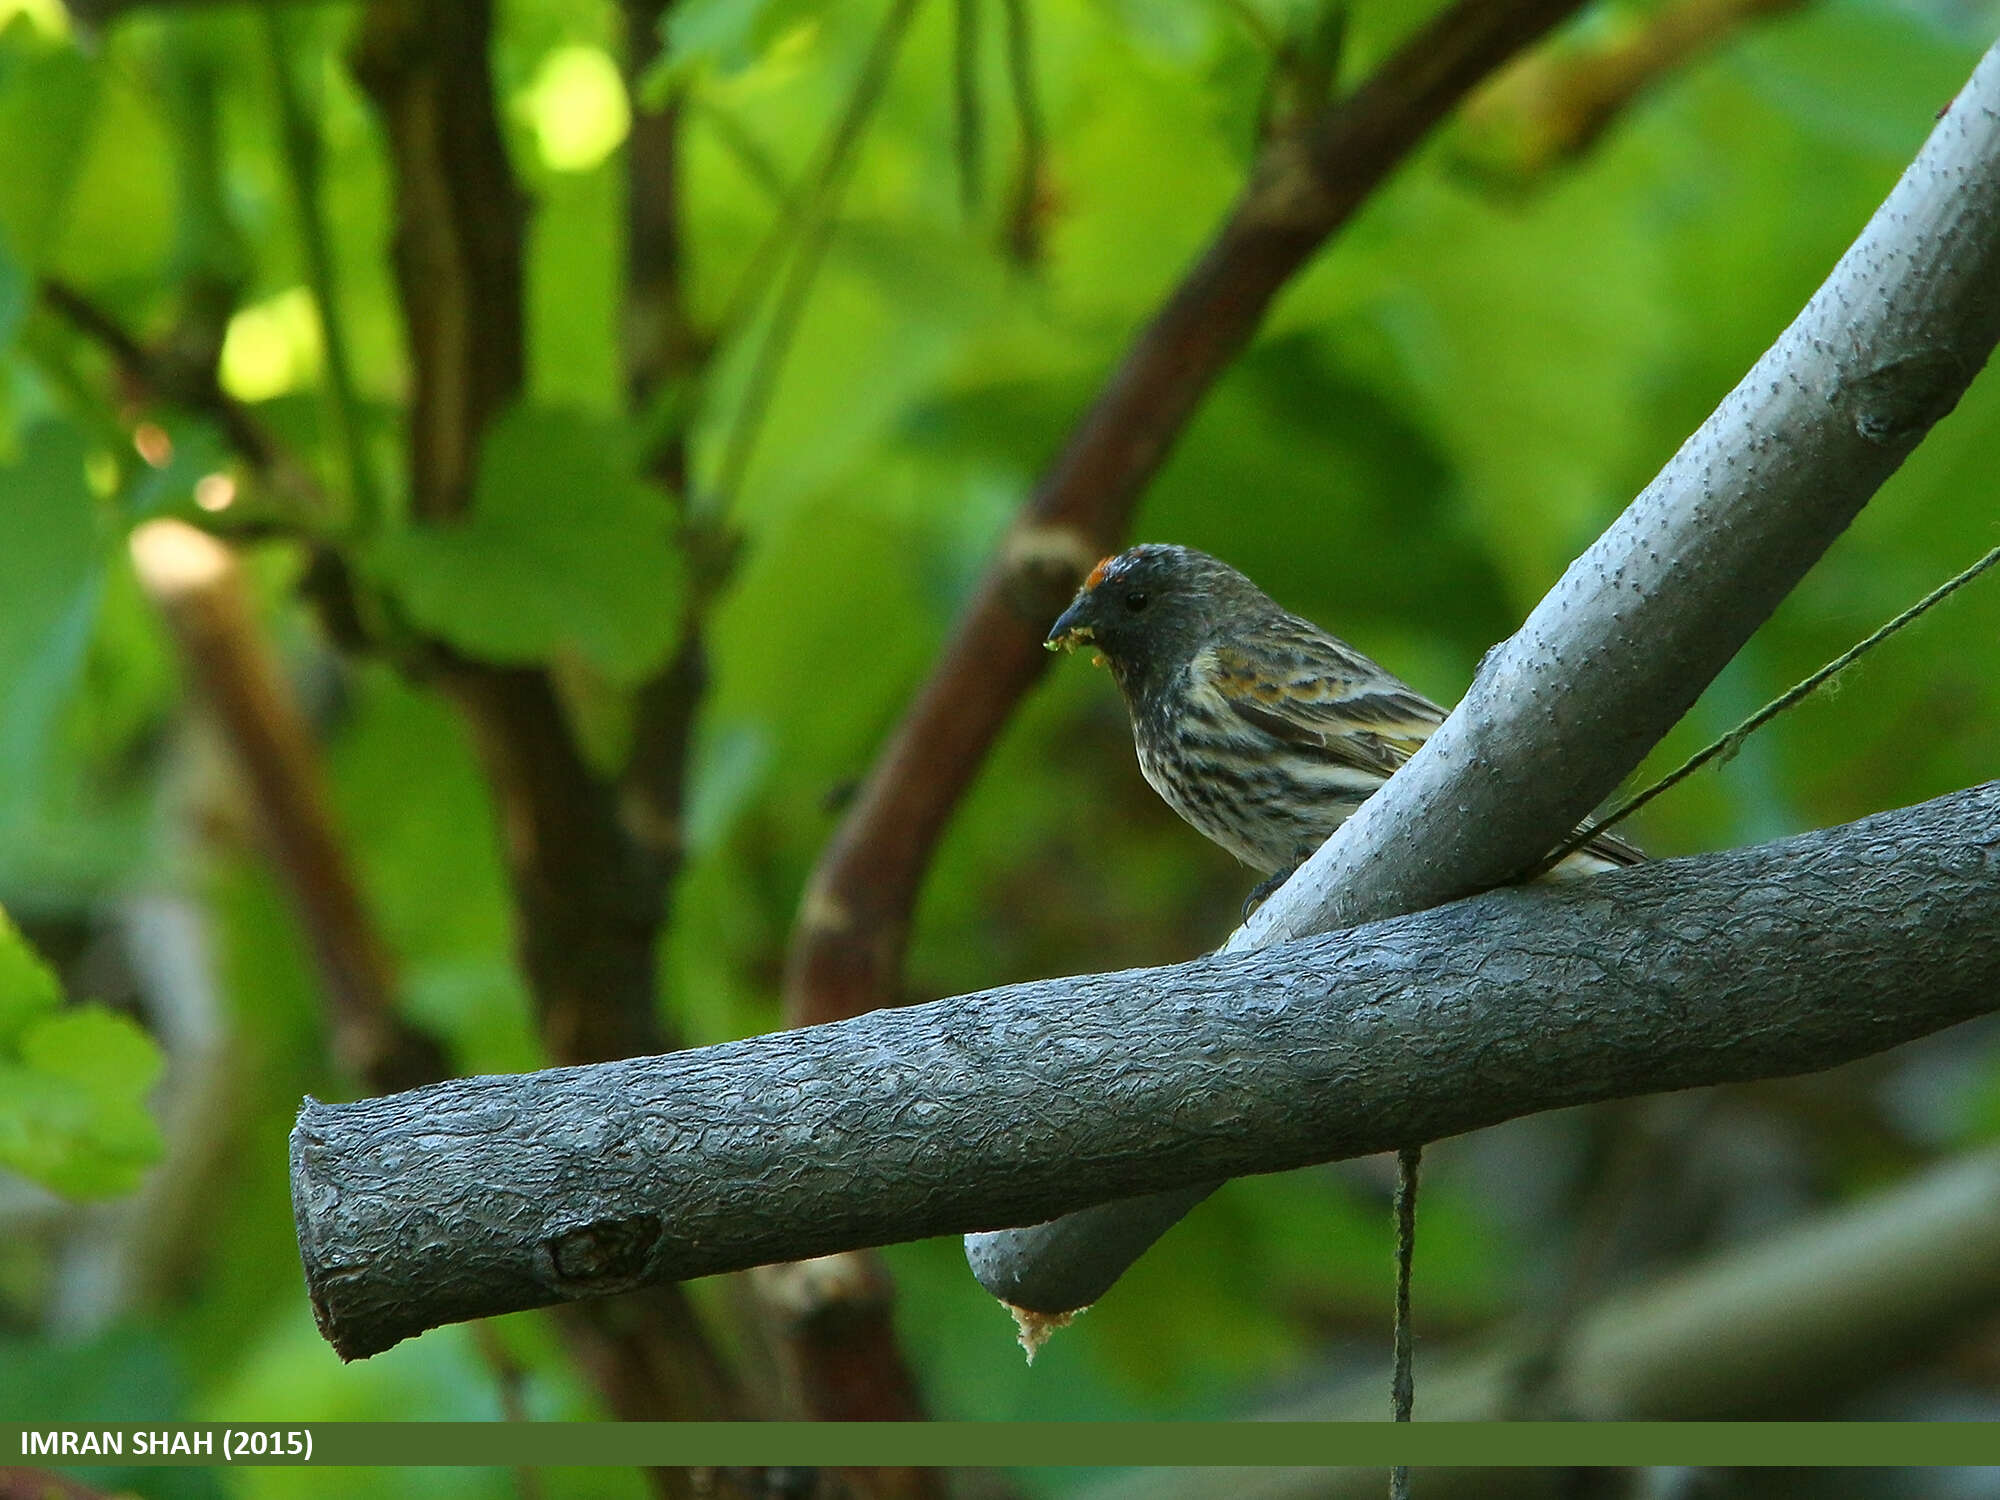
{"type": "Point", "coordinates": [1642, 621]}
{"type": "Point", "coordinates": [486, 1195]}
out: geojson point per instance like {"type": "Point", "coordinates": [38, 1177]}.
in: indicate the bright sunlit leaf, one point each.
{"type": "Point", "coordinates": [50, 17]}
{"type": "Point", "coordinates": [273, 347]}
{"type": "Point", "coordinates": [578, 107]}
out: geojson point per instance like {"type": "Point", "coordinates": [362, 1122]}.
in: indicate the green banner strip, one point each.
{"type": "Point", "coordinates": [1004, 1444]}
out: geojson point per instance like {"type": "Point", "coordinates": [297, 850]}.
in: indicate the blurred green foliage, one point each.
{"type": "Point", "coordinates": [1439, 414]}
{"type": "Point", "coordinates": [73, 1083]}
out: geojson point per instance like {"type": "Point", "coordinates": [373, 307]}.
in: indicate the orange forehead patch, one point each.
{"type": "Point", "coordinates": [1097, 573]}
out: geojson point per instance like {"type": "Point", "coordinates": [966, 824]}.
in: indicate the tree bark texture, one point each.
{"type": "Point", "coordinates": [485, 1195]}
{"type": "Point", "coordinates": [1640, 624]}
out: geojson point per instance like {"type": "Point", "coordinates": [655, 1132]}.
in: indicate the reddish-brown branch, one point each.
{"type": "Point", "coordinates": [588, 895]}
{"type": "Point", "coordinates": [198, 587]}
{"type": "Point", "coordinates": [853, 924]}
{"type": "Point", "coordinates": [837, 1342]}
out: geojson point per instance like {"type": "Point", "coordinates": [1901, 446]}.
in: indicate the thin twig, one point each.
{"type": "Point", "coordinates": [809, 197]}
{"type": "Point", "coordinates": [1725, 748]}
{"type": "Point", "coordinates": [757, 163]}
{"type": "Point", "coordinates": [159, 379]}
{"type": "Point", "coordinates": [1403, 1388]}
{"type": "Point", "coordinates": [301, 151]}
{"type": "Point", "coordinates": [198, 586]}
{"type": "Point", "coordinates": [1403, 1385]}
{"type": "Point", "coordinates": [1024, 213]}
{"type": "Point", "coordinates": [968, 104]}
{"type": "Point", "coordinates": [824, 193]}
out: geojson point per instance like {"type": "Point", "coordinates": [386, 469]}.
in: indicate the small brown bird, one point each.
{"type": "Point", "coordinates": [1258, 727]}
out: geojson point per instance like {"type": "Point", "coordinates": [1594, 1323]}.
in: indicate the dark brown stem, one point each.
{"type": "Point", "coordinates": [1027, 205]}
{"type": "Point", "coordinates": [589, 897]}
{"type": "Point", "coordinates": [847, 948]}
{"type": "Point", "coordinates": [833, 1332]}
{"type": "Point", "coordinates": [660, 345]}
{"type": "Point", "coordinates": [458, 232]}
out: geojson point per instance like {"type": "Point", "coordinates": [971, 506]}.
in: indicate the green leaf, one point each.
{"type": "Point", "coordinates": [48, 104]}
{"type": "Point", "coordinates": [73, 1083]}
{"type": "Point", "coordinates": [13, 295]}
{"type": "Point", "coordinates": [28, 988]}
{"type": "Point", "coordinates": [567, 553]}
{"type": "Point", "coordinates": [118, 221]}
{"type": "Point", "coordinates": [731, 34]}
{"type": "Point", "coordinates": [51, 577]}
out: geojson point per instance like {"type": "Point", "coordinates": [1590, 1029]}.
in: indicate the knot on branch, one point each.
{"type": "Point", "coordinates": [603, 1255]}
{"type": "Point", "coordinates": [1288, 190]}
{"type": "Point", "coordinates": [1906, 396]}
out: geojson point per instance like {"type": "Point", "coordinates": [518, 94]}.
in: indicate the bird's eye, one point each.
{"type": "Point", "coordinates": [1135, 602]}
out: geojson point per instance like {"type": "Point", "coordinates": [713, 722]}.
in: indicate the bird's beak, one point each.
{"type": "Point", "coordinates": [1069, 630]}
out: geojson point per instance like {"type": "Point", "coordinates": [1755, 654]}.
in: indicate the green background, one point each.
{"type": "Point", "coordinates": [1436, 417]}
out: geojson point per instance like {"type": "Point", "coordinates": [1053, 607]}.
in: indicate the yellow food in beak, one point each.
{"type": "Point", "coordinates": [1072, 627]}
{"type": "Point", "coordinates": [1070, 639]}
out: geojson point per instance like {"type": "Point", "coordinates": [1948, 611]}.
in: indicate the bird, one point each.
{"type": "Point", "coordinates": [1259, 728]}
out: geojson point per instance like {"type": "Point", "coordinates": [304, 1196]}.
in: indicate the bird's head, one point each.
{"type": "Point", "coordinates": [1154, 606]}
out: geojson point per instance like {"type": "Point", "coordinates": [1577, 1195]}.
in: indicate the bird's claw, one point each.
{"type": "Point", "coordinates": [1264, 888]}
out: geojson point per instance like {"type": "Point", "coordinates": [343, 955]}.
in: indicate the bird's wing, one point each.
{"type": "Point", "coordinates": [1312, 692]}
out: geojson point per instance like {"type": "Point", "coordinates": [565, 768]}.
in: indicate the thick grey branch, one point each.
{"type": "Point", "coordinates": [485, 1195]}
{"type": "Point", "coordinates": [1642, 621]}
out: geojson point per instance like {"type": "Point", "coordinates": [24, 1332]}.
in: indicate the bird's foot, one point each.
{"type": "Point", "coordinates": [1264, 888]}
